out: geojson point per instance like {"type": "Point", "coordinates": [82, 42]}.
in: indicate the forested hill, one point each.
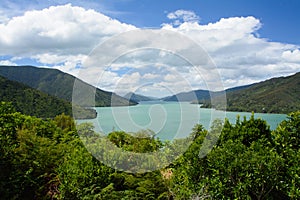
{"type": "Point", "coordinates": [35, 103]}
{"type": "Point", "coordinates": [277, 95]}
{"type": "Point", "coordinates": [58, 83]}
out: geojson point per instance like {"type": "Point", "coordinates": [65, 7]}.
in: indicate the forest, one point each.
{"type": "Point", "coordinates": [37, 103]}
{"type": "Point", "coordinates": [276, 95]}
{"type": "Point", "coordinates": [48, 159]}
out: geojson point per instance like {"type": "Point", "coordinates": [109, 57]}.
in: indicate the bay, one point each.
{"type": "Point", "coordinates": [169, 120]}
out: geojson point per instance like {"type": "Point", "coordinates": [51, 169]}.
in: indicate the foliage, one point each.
{"type": "Point", "coordinates": [46, 159]}
{"type": "Point", "coordinates": [287, 143]}
{"type": "Point", "coordinates": [30, 101]}
{"type": "Point", "coordinates": [248, 162]}
{"type": "Point", "coordinates": [141, 142]}
{"type": "Point", "coordinates": [29, 155]}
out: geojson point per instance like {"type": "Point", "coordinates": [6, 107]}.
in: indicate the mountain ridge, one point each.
{"type": "Point", "coordinates": [275, 95]}
{"type": "Point", "coordinates": [33, 102]}
{"type": "Point", "coordinates": [60, 84]}
{"type": "Point", "coordinates": [200, 95]}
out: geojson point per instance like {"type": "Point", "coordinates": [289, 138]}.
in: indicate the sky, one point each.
{"type": "Point", "coordinates": [245, 41]}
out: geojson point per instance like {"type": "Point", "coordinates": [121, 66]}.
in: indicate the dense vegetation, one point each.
{"type": "Point", "coordinates": [277, 95]}
{"type": "Point", "coordinates": [36, 103]}
{"type": "Point", "coordinates": [46, 159]}
{"type": "Point", "coordinates": [60, 84]}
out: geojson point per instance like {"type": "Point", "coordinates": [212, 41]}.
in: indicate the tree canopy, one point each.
{"type": "Point", "coordinates": [47, 159]}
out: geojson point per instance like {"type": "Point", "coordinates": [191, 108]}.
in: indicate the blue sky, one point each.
{"type": "Point", "coordinates": [248, 40]}
{"type": "Point", "coordinates": [280, 18]}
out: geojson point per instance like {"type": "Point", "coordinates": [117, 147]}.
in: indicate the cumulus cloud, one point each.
{"type": "Point", "coordinates": [63, 37]}
{"type": "Point", "coordinates": [180, 16]}
{"type": "Point", "coordinates": [58, 36]}
{"type": "Point", "coordinates": [62, 29]}
{"type": "Point", "coordinates": [240, 55]}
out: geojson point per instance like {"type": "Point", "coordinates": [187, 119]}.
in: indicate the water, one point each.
{"type": "Point", "coordinates": [168, 120]}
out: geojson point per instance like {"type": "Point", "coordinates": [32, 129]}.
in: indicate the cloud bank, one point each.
{"type": "Point", "coordinates": [63, 36]}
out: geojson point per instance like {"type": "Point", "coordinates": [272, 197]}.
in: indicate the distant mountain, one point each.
{"type": "Point", "coordinates": [138, 97]}
{"type": "Point", "coordinates": [277, 95]}
{"type": "Point", "coordinates": [36, 103]}
{"type": "Point", "coordinates": [199, 95]}
{"type": "Point", "coordinates": [189, 96]}
{"type": "Point", "coordinates": [60, 84]}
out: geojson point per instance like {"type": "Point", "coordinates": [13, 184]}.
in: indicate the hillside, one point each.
{"type": "Point", "coordinates": [36, 103]}
{"type": "Point", "coordinates": [137, 97]}
{"type": "Point", "coordinates": [277, 95]}
{"type": "Point", "coordinates": [59, 84]}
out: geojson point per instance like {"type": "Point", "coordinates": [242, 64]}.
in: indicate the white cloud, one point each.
{"type": "Point", "coordinates": [47, 58]}
{"type": "Point", "coordinates": [150, 76]}
{"type": "Point", "coordinates": [291, 55]}
{"type": "Point", "coordinates": [106, 80]}
{"type": "Point", "coordinates": [7, 62]}
{"type": "Point", "coordinates": [127, 83]}
{"type": "Point", "coordinates": [240, 55]}
{"type": "Point", "coordinates": [171, 78]}
{"type": "Point", "coordinates": [180, 16]}
{"type": "Point", "coordinates": [3, 17]}
{"type": "Point", "coordinates": [214, 36]}
{"type": "Point", "coordinates": [67, 63]}
{"type": "Point", "coordinates": [63, 36]}
{"type": "Point", "coordinates": [58, 29]}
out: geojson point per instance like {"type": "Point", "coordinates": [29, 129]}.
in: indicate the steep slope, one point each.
{"type": "Point", "coordinates": [137, 97]}
{"type": "Point", "coordinates": [36, 103]}
{"type": "Point", "coordinates": [59, 84]}
{"type": "Point", "coordinates": [277, 95]}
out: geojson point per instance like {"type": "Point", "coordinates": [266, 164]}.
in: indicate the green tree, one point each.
{"type": "Point", "coordinates": [287, 143]}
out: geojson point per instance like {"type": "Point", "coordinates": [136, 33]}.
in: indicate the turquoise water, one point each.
{"type": "Point", "coordinates": [168, 120]}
